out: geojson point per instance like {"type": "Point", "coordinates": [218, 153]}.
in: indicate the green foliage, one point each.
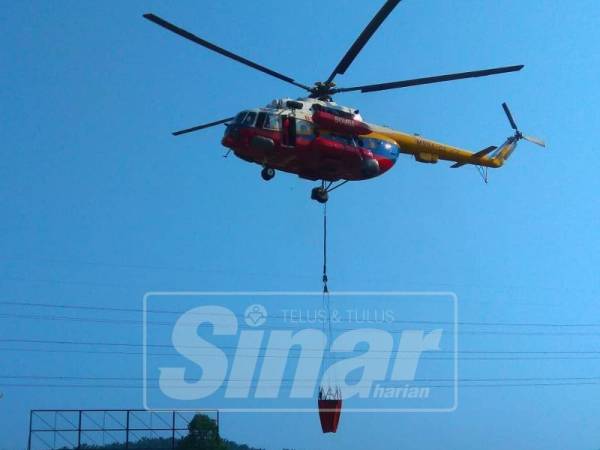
{"type": "Point", "coordinates": [203, 434]}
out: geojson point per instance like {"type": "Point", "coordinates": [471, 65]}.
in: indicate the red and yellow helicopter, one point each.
{"type": "Point", "coordinates": [317, 139]}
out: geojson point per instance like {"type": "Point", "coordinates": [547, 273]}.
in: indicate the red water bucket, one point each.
{"type": "Point", "coordinates": [329, 413]}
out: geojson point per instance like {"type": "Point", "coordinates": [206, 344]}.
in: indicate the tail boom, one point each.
{"type": "Point", "coordinates": [428, 151]}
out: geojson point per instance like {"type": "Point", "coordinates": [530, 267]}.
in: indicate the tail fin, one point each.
{"type": "Point", "coordinates": [505, 150]}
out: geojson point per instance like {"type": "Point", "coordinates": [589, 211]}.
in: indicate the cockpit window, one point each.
{"type": "Point", "coordinates": [249, 119]}
{"type": "Point", "coordinates": [240, 117]}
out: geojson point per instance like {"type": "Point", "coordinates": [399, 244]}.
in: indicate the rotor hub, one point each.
{"type": "Point", "coordinates": [322, 90]}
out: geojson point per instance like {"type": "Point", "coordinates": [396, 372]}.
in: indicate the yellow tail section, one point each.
{"type": "Point", "coordinates": [428, 151]}
{"type": "Point", "coordinates": [504, 152]}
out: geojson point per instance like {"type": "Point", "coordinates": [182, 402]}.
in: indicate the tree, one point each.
{"type": "Point", "coordinates": [203, 434]}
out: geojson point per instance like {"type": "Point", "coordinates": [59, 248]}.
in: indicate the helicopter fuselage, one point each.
{"type": "Point", "coordinates": [314, 139]}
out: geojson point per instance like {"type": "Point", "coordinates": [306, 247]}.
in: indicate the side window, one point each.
{"type": "Point", "coordinates": [304, 128]}
{"type": "Point", "coordinates": [271, 122]}
{"type": "Point", "coordinates": [368, 143]}
{"type": "Point", "coordinates": [249, 119]}
{"type": "Point", "coordinates": [379, 147]}
{"type": "Point", "coordinates": [348, 140]}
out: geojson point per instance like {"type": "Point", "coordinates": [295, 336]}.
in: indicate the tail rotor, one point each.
{"type": "Point", "coordinates": [518, 135]}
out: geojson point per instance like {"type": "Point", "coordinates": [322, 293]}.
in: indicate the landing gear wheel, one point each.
{"type": "Point", "coordinates": [267, 173]}
{"type": "Point", "coordinates": [319, 194]}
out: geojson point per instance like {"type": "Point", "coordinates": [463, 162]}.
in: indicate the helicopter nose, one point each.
{"type": "Point", "coordinates": [232, 131]}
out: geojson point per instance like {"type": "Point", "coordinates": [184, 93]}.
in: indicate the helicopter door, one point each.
{"type": "Point", "coordinates": [288, 131]}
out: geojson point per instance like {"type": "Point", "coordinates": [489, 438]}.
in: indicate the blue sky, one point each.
{"type": "Point", "coordinates": [100, 204]}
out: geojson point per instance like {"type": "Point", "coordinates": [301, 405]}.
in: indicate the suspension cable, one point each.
{"type": "Point", "coordinates": [325, 289]}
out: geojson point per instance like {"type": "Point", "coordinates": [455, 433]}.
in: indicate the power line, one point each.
{"type": "Point", "coordinates": [141, 323]}
{"type": "Point", "coordinates": [418, 380]}
{"type": "Point", "coordinates": [424, 357]}
{"type": "Point", "coordinates": [122, 386]}
{"type": "Point", "coordinates": [170, 346]}
{"type": "Point", "coordinates": [151, 311]}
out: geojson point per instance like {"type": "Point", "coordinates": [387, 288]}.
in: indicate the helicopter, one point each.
{"type": "Point", "coordinates": [320, 140]}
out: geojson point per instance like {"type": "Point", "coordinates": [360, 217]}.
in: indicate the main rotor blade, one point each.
{"type": "Point", "coordinates": [192, 37]}
{"type": "Point", "coordinates": [429, 80]}
{"type": "Point", "coordinates": [201, 127]}
{"type": "Point", "coordinates": [535, 140]}
{"type": "Point", "coordinates": [510, 117]}
{"type": "Point", "coordinates": [363, 38]}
